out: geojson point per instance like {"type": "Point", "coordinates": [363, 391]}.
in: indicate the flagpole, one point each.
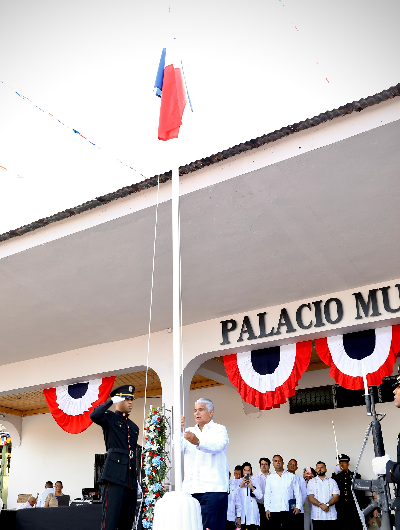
{"type": "Point", "coordinates": [334, 434]}
{"type": "Point", "coordinates": [176, 509]}
{"type": "Point", "coordinates": [176, 325]}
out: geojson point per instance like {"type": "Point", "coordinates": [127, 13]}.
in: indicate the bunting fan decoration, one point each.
{"type": "Point", "coordinates": [375, 349]}
{"type": "Point", "coordinates": [71, 405]}
{"type": "Point", "coordinates": [266, 378]}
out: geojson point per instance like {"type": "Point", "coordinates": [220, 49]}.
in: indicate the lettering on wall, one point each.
{"type": "Point", "coordinates": [313, 314]}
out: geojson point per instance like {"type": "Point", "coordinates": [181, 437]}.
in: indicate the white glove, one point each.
{"type": "Point", "coordinates": [379, 464]}
{"type": "Point", "coordinates": [117, 399]}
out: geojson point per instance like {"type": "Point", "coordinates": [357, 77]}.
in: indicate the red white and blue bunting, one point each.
{"type": "Point", "coordinates": [71, 405]}
{"type": "Point", "coordinates": [346, 354]}
{"type": "Point", "coordinates": [266, 378]}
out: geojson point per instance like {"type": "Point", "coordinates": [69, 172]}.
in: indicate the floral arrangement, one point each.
{"type": "Point", "coordinates": [154, 462]}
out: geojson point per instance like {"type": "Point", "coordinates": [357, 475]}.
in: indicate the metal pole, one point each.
{"type": "Point", "coordinates": [334, 434]}
{"type": "Point", "coordinates": [176, 323]}
{"type": "Point", "coordinates": [3, 468]}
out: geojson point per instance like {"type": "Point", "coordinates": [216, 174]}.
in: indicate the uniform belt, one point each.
{"type": "Point", "coordinates": [128, 452]}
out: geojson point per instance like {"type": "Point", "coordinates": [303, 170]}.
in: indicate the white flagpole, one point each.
{"type": "Point", "coordinates": [176, 323]}
{"type": "Point", "coordinates": [177, 509]}
{"type": "Point", "coordinates": [334, 434]}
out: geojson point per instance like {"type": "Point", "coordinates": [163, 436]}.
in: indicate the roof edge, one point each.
{"type": "Point", "coordinates": [355, 106]}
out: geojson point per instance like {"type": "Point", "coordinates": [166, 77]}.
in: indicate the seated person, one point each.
{"type": "Point", "coordinates": [30, 503]}
{"type": "Point", "coordinates": [42, 497]}
{"type": "Point", "coordinates": [52, 498]}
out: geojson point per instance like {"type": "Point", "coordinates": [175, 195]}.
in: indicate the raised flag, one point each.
{"type": "Point", "coordinates": [169, 86]}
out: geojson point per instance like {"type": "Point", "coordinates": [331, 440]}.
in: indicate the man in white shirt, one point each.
{"type": "Point", "coordinates": [260, 478]}
{"type": "Point", "coordinates": [292, 467]}
{"type": "Point", "coordinates": [234, 505]}
{"type": "Point", "coordinates": [280, 488]}
{"type": "Point", "coordinates": [206, 472]}
{"type": "Point", "coordinates": [42, 497]}
{"type": "Point", "coordinates": [323, 493]}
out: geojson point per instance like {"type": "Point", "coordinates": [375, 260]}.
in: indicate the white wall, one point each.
{"type": "Point", "coordinates": [49, 453]}
{"type": "Point", "coordinates": [308, 436]}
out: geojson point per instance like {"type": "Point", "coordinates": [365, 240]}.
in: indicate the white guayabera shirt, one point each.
{"type": "Point", "coordinates": [303, 488]}
{"type": "Point", "coordinates": [234, 503]}
{"type": "Point", "coordinates": [260, 478]}
{"type": "Point", "coordinates": [206, 466]}
{"type": "Point", "coordinates": [279, 489]}
{"type": "Point", "coordinates": [323, 490]}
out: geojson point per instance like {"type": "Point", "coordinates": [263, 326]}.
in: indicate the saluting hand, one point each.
{"type": "Point", "coordinates": [117, 399]}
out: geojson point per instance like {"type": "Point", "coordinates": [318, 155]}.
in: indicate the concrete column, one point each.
{"type": "Point", "coordinates": [14, 426]}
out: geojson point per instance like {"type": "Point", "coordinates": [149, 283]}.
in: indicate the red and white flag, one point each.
{"type": "Point", "coordinates": [170, 86]}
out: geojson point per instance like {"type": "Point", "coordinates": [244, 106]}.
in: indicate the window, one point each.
{"type": "Point", "coordinates": [311, 399]}
{"type": "Point", "coordinates": [335, 396]}
{"type": "Point", "coordinates": [348, 398]}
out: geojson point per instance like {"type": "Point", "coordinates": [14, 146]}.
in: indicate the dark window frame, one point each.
{"type": "Point", "coordinates": [340, 397]}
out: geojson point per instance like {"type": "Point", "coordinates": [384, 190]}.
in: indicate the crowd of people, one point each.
{"type": "Point", "coordinates": [281, 498]}
{"type": "Point", "coordinates": [49, 498]}
{"type": "Point", "coordinates": [275, 497]}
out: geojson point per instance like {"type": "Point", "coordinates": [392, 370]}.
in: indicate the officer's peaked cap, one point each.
{"type": "Point", "coordinates": [125, 391]}
{"type": "Point", "coordinates": [344, 458]}
{"type": "Point", "coordinates": [396, 381]}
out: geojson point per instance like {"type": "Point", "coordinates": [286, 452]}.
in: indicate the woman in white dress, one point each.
{"type": "Point", "coordinates": [250, 491]}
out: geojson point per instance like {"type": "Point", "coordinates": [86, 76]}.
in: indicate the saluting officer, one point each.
{"type": "Point", "coordinates": [383, 465]}
{"type": "Point", "coordinates": [118, 476]}
{"type": "Point", "coordinates": [347, 514]}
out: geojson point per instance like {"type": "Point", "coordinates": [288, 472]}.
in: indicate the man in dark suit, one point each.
{"type": "Point", "coordinates": [118, 476]}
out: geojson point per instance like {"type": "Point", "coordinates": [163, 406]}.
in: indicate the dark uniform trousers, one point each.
{"type": "Point", "coordinates": [347, 513]}
{"type": "Point", "coordinates": [118, 476]}
{"type": "Point", "coordinates": [119, 505]}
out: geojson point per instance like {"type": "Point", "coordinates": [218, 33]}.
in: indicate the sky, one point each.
{"type": "Point", "coordinates": [251, 68]}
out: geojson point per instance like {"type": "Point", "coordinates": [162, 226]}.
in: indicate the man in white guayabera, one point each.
{"type": "Point", "coordinates": [206, 469]}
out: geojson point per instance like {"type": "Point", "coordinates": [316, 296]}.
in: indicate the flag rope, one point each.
{"type": "Point", "coordinates": [150, 318]}
{"type": "Point", "coordinates": [75, 131]}
{"type": "Point", "coordinates": [317, 61]}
